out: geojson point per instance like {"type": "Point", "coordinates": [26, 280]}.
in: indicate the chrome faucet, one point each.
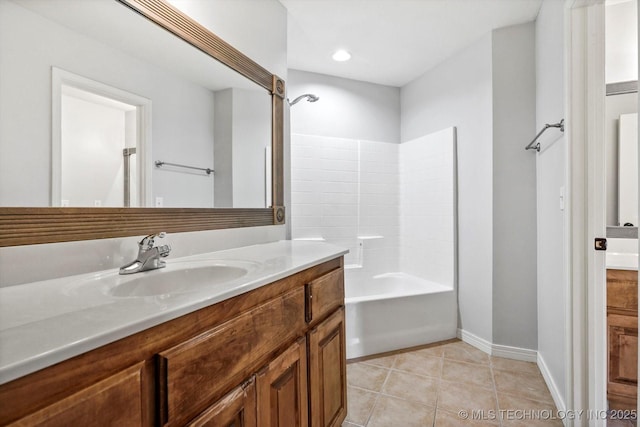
{"type": "Point", "coordinates": [148, 255]}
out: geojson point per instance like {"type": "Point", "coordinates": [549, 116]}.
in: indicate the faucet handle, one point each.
{"type": "Point", "coordinates": [147, 242]}
{"type": "Point", "coordinates": [164, 250]}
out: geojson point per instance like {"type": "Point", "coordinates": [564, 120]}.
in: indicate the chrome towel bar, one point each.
{"type": "Point", "coordinates": [536, 146]}
{"type": "Point", "coordinates": [160, 163]}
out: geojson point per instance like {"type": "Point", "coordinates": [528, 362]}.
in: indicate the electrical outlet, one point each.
{"type": "Point", "coordinates": [97, 203]}
{"type": "Point", "coordinates": [159, 202]}
{"type": "Point", "coordinates": [64, 203]}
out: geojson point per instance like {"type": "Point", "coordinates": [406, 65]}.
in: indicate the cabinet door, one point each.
{"type": "Point", "coordinates": [282, 389]}
{"type": "Point", "coordinates": [328, 372]}
{"type": "Point", "coordinates": [323, 295]}
{"type": "Point", "coordinates": [623, 361]}
{"type": "Point", "coordinates": [236, 409]}
{"type": "Point", "coordinates": [115, 401]}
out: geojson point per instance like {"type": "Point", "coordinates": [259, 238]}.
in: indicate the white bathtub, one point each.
{"type": "Point", "coordinates": [394, 311]}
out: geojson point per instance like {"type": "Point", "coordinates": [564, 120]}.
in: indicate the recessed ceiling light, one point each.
{"type": "Point", "coordinates": [341, 55]}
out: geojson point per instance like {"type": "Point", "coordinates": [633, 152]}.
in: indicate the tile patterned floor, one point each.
{"type": "Point", "coordinates": [431, 386]}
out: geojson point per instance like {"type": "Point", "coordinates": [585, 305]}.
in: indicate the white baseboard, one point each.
{"type": "Point", "coordinates": [553, 387]}
{"type": "Point", "coordinates": [498, 350]}
{"type": "Point", "coordinates": [474, 340]}
{"type": "Point", "coordinates": [516, 353]}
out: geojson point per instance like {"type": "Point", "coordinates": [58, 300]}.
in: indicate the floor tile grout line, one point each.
{"type": "Point", "coordinates": [404, 399]}
{"type": "Point", "coordinates": [375, 403]}
{"type": "Point", "coordinates": [521, 396]}
{"type": "Point", "coordinates": [495, 394]}
{"type": "Point", "coordinates": [435, 412]}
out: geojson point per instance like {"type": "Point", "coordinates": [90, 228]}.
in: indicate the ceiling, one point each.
{"type": "Point", "coordinates": [392, 42]}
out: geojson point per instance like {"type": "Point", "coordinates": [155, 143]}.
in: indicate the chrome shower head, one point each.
{"type": "Point", "coordinates": [310, 97]}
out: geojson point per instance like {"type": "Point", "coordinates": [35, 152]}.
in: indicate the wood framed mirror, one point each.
{"type": "Point", "coordinates": [37, 225]}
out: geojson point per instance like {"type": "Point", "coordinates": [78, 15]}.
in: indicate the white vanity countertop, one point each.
{"type": "Point", "coordinates": [43, 323]}
{"type": "Point", "coordinates": [622, 254]}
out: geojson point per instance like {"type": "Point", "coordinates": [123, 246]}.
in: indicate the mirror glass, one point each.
{"type": "Point", "coordinates": [621, 106]}
{"type": "Point", "coordinates": [101, 107]}
{"type": "Point", "coordinates": [622, 159]}
{"type": "Point", "coordinates": [628, 170]}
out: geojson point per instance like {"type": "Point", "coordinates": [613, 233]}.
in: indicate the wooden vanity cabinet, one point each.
{"type": "Point", "coordinates": [282, 389]}
{"type": "Point", "coordinates": [327, 372]}
{"type": "Point", "coordinates": [237, 409]}
{"type": "Point", "coordinates": [119, 398]}
{"type": "Point", "coordinates": [273, 357]}
{"type": "Point", "coordinates": [622, 336]}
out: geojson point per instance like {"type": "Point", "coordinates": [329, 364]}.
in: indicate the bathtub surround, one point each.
{"type": "Point", "coordinates": [428, 207]}
{"type": "Point", "coordinates": [393, 206]}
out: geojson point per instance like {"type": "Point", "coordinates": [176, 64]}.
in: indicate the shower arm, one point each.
{"type": "Point", "coordinates": [310, 97]}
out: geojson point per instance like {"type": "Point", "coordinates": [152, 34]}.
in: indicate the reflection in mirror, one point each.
{"type": "Point", "coordinates": [621, 75]}
{"type": "Point", "coordinates": [628, 170]}
{"type": "Point", "coordinates": [621, 105]}
{"type": "Point", "coordinates": [94, 95]}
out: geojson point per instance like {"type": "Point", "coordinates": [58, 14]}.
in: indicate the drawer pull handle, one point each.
{"type": "Point", "coordinates": [308, 315]}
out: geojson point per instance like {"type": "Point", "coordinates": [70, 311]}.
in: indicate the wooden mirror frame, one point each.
{"type": "Point", "coordinates": [28, 226]}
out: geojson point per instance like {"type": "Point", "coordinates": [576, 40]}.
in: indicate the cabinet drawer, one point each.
{"type": "Point", "coordinates": [197, 371]}
{"type": "Point", "coordinates": [118, 400]}
{"type": "Point", "coordinates": [323, 295]}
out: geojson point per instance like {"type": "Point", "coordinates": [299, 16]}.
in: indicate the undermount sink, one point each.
{"type": "Point", "coordinates": [176, 278]}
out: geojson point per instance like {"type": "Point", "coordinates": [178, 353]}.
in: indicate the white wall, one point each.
{"type": "Point", "coordinates": [346, 109]}
{"type": "Point", "coordinates": [551, 172]}
{"type": "Point", "coordinates": [621, 46]}
{"type": "Point", "coordinates": [256, 28]}
{"type": "Point", "coordinates": [62, 259]}
{"type": "Point", "coordinates": [514, 183]}
{"type": "Point", "coordinates": [458, 93]}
